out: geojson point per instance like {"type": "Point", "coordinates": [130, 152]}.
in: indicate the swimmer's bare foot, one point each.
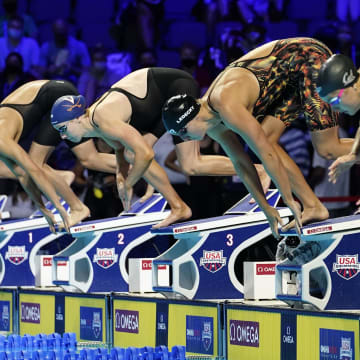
{"type": "Point", "coordinates": [183, 212]}
{"type": "Point", "coordinates": [77, 215]}
{"type": "Point", "coordinates": [309, 215]}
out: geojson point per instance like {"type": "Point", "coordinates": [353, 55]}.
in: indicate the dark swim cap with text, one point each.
{"type": "Point", "coordinates": [337, 72]}
{"type": "Point", "coordinates": [178, 111]}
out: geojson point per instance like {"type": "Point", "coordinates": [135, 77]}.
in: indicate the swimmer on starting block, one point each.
{"type": "Point", "coordinates": [26, 108]}
{"type": "Point", "coordinates": [339, 85]}
{"type": "Point", "coordinates": [271, 85]}
{"type": "Point", "coordinates": [132, 106]}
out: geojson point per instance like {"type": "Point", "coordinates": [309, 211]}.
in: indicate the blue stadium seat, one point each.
{"type": "Point", "coordinates": [98, 32]}
{"type": "Point", "coordinates": [189, 31]}
{"type": "Point", "coordinates": [178, 8]}
{"type": "Point", "coordinates": [89, 11]}
{"type": "Point", "coordinates": [307, 9]}
{"type": "Point", "coordinates": [39, 9]}
{"type": "Point", "coordinates": [282, 30]}
{"type": "Point", "coordinates": [168, 58]}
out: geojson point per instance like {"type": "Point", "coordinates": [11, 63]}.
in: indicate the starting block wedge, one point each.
{"type": "Point", "coordinates": [204, 259]}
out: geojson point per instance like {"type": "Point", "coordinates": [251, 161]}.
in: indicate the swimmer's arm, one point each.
{"type": "Point", "coordinates": [193, 163]}
{"type": "Point", "coordinates": [31, 177]}
{"type": "Point", "coordinates": [355, 150]}
{"type": "Point", "coordinates": [241, 162]}
{"type": "Point", "coordinates": [118, 131]}
{"type": "Point", "coordinates": [92, 159]}
{"type": "Point", "coordinates": [237, 117]}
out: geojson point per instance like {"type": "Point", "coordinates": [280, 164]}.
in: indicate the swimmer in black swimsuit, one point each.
{"type": "Point", "coordinates": [132, 107]}
{"type": "Point", "coordinates": [28, 108]}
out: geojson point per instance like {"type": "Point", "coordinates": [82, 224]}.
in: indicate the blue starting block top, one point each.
{"type": "Point", "coordinates": [241, 213]}
{"type": "Point", "coordinates": [330, 225]}
{"type": "Point", "coordinates": [150, 211]}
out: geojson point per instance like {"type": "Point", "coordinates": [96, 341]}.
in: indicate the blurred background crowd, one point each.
{"type": "Point", "coordinates": [95, 43]}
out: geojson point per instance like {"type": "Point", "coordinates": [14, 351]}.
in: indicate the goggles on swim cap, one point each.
{"type": "Point", "coordinates": [67, 108]}
{"type": "Point", "coordinates": [338, 72]}
{"type": "Point", "coordinates": [178, 111]}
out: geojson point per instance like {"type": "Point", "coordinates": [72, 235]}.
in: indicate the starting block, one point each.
{"type": "Point", "coordinates": [97, 260]}
{"type": "Point", "coordinates": [204, 259]}
{"type": "Point", "coordinates": [327, 278]}
{"type": "Point", "coordinates": [21, 242]}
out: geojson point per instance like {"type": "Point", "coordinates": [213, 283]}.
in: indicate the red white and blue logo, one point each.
{"type": "Point", "coordinates": [105, 257]}
{"type": "Point", "coordinates": [16, 254]}
{"type": "Point", "coordinates": [346, 266]}
{"type": "Point", "coordinates": [213, 260]}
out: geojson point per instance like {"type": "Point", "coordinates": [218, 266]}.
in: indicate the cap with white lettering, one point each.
{"type": "Point", "coordinates": [178, 111]}
{"type": "Point", "coordinates": [337, 72]}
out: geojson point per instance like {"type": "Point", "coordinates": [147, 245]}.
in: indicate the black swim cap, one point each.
{"type": "Point", "coordinates": [178, 111]}
{"type": "Point", "coordinates": [338, 72]}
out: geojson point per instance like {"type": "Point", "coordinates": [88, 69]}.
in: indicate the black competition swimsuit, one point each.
{"type": "Point", "coordinates": [162, 83]}
{"type": "Point", "coordinates": [37, 113]}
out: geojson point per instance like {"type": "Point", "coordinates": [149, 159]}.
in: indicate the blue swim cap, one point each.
{"type": "Point", "coordinates": [67, 108]}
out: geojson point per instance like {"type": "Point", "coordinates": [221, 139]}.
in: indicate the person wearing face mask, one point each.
{"type": "Point", "coordinates": [189, 63]}
{"type": "Point", "coordinates": [95, 81]}
{"type": "Point", "coordinates": [10, 8]}
{"type": "Point", "coordinates": [15, 41]}
{"type": "Point", "coordinates": [64, 57]}
{"type": "Point", "coordinates": [13, 75]}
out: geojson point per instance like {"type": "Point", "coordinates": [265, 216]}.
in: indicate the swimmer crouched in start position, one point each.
{"type": "Point", "coordinates": [257, 97]}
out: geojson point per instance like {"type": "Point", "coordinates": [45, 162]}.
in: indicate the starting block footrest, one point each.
{"type": "Point", "coordinates": [289, 297]}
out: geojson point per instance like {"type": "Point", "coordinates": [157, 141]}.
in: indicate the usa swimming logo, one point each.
{"type": "Point", "coordinates": [213, 260]}
{"type": "Point", "coordinates": [16, 254]}
{"type": "Point", "coordinates": [206, 335]}
{"type": "Point", "coordinates": [105, 257]}
{"type": "Point", "coordinates": [346, 266]}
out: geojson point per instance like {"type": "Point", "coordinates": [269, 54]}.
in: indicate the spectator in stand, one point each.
{"type": "Point", "coordinates": [10, 10]}
{"type": "Point", "coordinates": [15, 41]}
{"type": "Point", "coordinates": [18, 203]}
{"type": "Point", "coordinates": [95, 81]}
{"type": "Point", "coordinates": [189, 63]}
{"type": "Point", "coordinates": [149, 14]}
{"type": "Point", "coordinates": [147, 58]}
{"type": "Point", "coordinates": [348, 9]}
{"type": "Point", "coordinates": [13, 75]}
{"type": "Point", "coordinates": [64, 57]}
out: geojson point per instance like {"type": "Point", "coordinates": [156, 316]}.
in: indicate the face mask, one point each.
{"type": "Point", "coordinates": [13, 69]}
{"type": "Point", "coordinates": [188, 62]}
{"type": "Point", "coordinates": [10, 8]}
{"type": "Point", "coordinates": [61, 39]}
{"type": "Point", "coordinates": [15, 33]}
{"type": "Point", "coordinates": [99, 65]}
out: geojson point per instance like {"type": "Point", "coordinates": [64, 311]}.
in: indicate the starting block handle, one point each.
{"type": "Point", "coordinates": [163, 289]}
{"type": "Point", "coordinates": [288, 267]}
{"type": "Point", "coordinates": [162, 262]}
{"type": "Point", "coordinates": [289, 297]}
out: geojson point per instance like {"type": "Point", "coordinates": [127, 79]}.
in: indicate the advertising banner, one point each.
{"type": "Point", "coordinates": [194, 326]}
{"type": "Point", "coordinates": [134, 322]}
{"type": "Point", "coordinates": [36, 313]}
{"type": "Point", "coordinates": [253, 335]}
{"type": "Point", "coordinates": [7, 311]}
